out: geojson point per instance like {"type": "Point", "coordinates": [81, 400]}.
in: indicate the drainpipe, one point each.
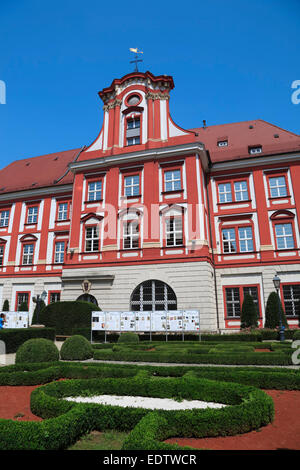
{"type": "Point", "coordinates": [212, 248]}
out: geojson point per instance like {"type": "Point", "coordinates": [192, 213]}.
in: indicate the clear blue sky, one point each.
{"type": "Point", "coordinates": [231, 61]}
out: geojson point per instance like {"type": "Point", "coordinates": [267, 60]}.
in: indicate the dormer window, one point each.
{"type": "Point", "coordinates": [255, 150]}
{"type": "Point", "coordinates": [223, 143]}
{"type": "Point", "coordinates": [133, 131]}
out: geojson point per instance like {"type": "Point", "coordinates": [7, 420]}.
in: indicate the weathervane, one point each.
{"type": "Point", "coordinates": [136, 59]}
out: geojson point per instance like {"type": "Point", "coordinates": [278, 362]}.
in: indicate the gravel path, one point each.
{"type": "Point", "coordinates": [146, 402]}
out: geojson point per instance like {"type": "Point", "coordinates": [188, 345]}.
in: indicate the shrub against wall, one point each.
{"type": "Point", "coordinates": [272, 312]}
{"type": "Point", "coordinates": [23, 307]}
{"type": "Point", "coordinates": [65, 316]}
{"type": "Point", "coordinates": [5, 307]}
{"type": "Point", "coordinates": [128, 337]}
{"type": "Point", "coordinates": [36, 316]}
{"type": "Point", "coordinates": [249, 314]}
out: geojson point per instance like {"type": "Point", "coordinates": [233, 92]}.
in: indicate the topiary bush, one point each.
{"type": "Point", "coordinates": [67, 315]}
{"type": "Point", "coordinates": [5, 307]}
{"type": "Point", "coordinates": [37, 350]}
{"type": "Point", "coordinates": [272, 313]}
{"type": "Point", "coordinates": [128, 338]}
{"type": "Point", "coordinates": [36, 315]}
{"type": "Point", "coordinates": [249, 316]}
{"type": "Point", "coordinates": [76, 348]}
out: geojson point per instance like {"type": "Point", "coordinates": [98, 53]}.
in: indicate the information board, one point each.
{"type": "Point", "coordinates": [16, 319]}
{"type": "Point", "coordinates": [157, 321]}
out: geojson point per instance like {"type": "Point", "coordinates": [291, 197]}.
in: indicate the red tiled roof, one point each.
{"type": "Point", "coordinates": [242, 135]}
{"type": "Point", "coordinates": [37, 172]}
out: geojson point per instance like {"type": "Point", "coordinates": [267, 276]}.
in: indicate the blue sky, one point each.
{"type": "Point", "coordinates": [231, 61]}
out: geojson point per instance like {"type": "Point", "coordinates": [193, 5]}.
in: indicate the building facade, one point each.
{"type": "Point", "coordinates": [151, 216]}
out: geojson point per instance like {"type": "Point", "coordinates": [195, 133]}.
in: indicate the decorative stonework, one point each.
{"type": "Point", "coordinates": [157, 96]}
{"type": "Point", "coordinates": [112, 105]}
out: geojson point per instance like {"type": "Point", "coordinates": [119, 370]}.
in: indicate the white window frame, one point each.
{"type": "Point", "coordinates": [174, 231]}
{"type": "Point", "coordinates": [93, 239]}
{"type": "Point", "coordinates": [59, 252]}
{"type": "Point", "coordinates": [62, 213]}
{"type": "Point", "coordinates": [94, 191]}
{"type": "Point", "coordinates": [246, 239]}
{"type": "Point", "coordinates": [241, 191]}
{"type": "Point", "coordinates": [233, 302]}
{"type": "Point", "coordinates": [222, 189]}
{"type": "Point", "coordinates": [277, 186]}
{"type": "Point", "coordinates": [175, 177]}
{"type": "Point", "coordinates": [231, 242]}
{"type": "Point", "coordinates": [285, 237]}
{"type": "Point", "coordinates": [4, 218]}
{"type": "Point", "coordinates": [135, 140]}
{"type": "Point", "coordinates": [28, 251]}
{"type": "Point", "coordinates": [32, 215]}
{"type": "Point", "coordinates": [131, 234]}
{"type": "Point", "coordinates": [131, 185]}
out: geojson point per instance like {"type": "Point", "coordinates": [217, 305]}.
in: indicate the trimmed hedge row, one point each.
{"type": "Point", "coordinates": [14, 337]}
{"type": "Point", "coordinates": [261, 358]}
{"type": "Point", "coordinates": [64, 422]}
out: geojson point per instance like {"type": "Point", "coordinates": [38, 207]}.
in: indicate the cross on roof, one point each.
{"type": "Point", "coordinates": [136, 59]}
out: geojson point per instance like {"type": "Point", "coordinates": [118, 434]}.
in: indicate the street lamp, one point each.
{"type": "Point", "coordinates": [276, 282]}
{"type": "Point", "coordinates": [37, 300]}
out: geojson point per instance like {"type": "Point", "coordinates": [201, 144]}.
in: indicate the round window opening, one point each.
{"type": "Point", "coordinates": [133, 100]}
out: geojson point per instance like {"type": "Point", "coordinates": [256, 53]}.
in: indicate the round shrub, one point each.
{"type": "Point", "coordinates": [37, 350]}
{"type": "Point", "coordinates": [76, 348]}
{"type": "Point", "coordinates": [128, 338]}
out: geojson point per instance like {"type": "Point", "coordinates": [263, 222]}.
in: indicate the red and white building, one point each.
{"type": "Point", "coordinates": [154, 216]}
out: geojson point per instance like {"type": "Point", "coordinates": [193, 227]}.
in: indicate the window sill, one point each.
{"type": "Point", "coordinates": [172, 247]}
{"type": "Point", "coordinates": [62, 220]}
{"type": "Point", "coordinates": [234, 202]}
{"type": "Point", "coordinates": [130, 249]}
{"type": "Point", "coordinates": [94, 200]}
{"type": "Point", "coordinates": [173, 191]}
{"type": "Point", "coordinates": [279, 197]}
{"type": "Point", "coordinates": [30, 223]}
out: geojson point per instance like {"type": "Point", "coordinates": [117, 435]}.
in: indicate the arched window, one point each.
{"type": "Point", "coordinates": [153, 295]}
{"type": "Point", "coordinates": [88, 298]}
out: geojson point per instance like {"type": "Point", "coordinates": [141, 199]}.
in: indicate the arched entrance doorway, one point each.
{"type": "Point", "coordinates": [88, 298]}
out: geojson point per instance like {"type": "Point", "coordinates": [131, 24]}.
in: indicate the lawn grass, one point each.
{"type": "Point", "coordinates": [108, 440]}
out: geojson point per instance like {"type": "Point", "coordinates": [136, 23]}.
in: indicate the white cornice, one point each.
{"type": "Point", "coordinates": [259, 161]}
{"type": "Point", "coordinates": [158, 153]}
{"type": "Point", "coordinates": [26, 193]}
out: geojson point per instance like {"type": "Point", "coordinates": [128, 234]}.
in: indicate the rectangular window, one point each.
{"type": "Point", "coordinates": [229, 241]}
{"type": "Point", "coordinates": [291, 298]}
{"type": "Point", "coordinates": [22, 297]}
{"type": "Point", "coordinates": [131, 185]}
{"type": "Point", "coordinates": [278, 186]}
{"type": "Point", "coordinates": [133, 140]}
{"type": "Point", "coordinates": [4, 218]}
{"type": "Point", "coordinates": [284, 236]}
{"type": "Point", "coordinates": [91, 239]}
{"type": "Point", "coordinates": [62, 211]}
{"type": "Point", "coordinates": [1, 254]}
{"type": "Point", "coordinates": [233, 303]}
{"type": "Point", "coordinates": [241, 191]}
{"type": "Point", "coordinates": [133, 123]}
{"type": "Point", "coordinates": [28, 254]}
{"type": "Point", "coordinates": [174, 234]}
{"type": "Point", "coordinates": [32, 215]}
{"type": "Point", "coordinates": [95, 191]}
{"type": "Point", "coordinates": [172, 180]}
{"type": "Point", "coordinates": [245, 239]}
{"type": "Point", "coordinates": [54, 297]}
{"type": "Point", "coordinates": [131, 235]}
{"type": "Point", "coordinates": [225, 194]}
{"type": "Point", "coordinates": [59, 254]}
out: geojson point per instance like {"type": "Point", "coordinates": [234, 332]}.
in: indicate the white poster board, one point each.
{"type": "Point", "coordinates": [156, 322]}
{"type": "Point", "coordinates": [16, 319]}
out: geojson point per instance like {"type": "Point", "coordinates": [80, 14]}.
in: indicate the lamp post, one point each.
{"type": "Point", "coordinates": [276, 282]}
{"type": "Point", "coordinates": [38, 300]}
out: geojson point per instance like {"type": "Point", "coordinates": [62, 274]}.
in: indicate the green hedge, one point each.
{"type": "Point", "coordinates": [66, 316]}
{"type": "Point", "coordinates": [64, 422]}
{"type": "Point", "coordinates": [256, 358]}
{"type": "Point", "coordinates": [14, 337]}
{"type": "Point", "coordinates": [37, 350]}
{"type": "Point", "coordinates": [76, 348]}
